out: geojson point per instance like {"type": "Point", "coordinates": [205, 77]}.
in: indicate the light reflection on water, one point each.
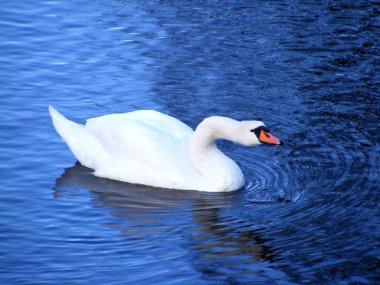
{"type": "Point", "coordinates": [308, 213]}
{"type": "Point", "coordinates": [151, 215]}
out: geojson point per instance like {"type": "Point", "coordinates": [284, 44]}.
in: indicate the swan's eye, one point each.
{"type": "Point", "coordinates": [258, 130]}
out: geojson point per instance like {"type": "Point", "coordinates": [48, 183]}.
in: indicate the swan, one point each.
{"type": "Point", "coordinates": [150, 148]}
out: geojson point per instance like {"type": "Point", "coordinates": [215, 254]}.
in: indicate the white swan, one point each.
{"type": "Point", "coordinates": [150, 148]}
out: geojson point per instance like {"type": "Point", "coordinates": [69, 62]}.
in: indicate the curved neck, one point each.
{"type": "Point", "coordinates": [213, 128]}
{"type": "Point", "coordinates": [221, 171]}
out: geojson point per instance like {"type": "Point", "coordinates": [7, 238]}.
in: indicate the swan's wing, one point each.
{"type": "Point", "coordinates": [160, 121]}
{"type": "Point", "coordinates": [144, 143]}
{"type": "Point", "coordinates": [149, 118]}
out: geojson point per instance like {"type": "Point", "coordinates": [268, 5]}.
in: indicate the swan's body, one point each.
{"type": "Point", "coordinates": [150, 148]}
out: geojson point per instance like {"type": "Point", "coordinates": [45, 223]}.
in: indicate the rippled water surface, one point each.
{"type": "Point", "coordinates": [309, 211]}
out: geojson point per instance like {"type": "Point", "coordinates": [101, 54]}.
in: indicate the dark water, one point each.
{"type": "Point", "coordinates": [309, 212]}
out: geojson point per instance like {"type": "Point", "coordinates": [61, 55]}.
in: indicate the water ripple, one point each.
{"type": "Point", "coordinates": [309, 211]}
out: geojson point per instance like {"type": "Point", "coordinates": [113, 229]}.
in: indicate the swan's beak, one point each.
{"type": "Point", "coordinates": [268, 138]}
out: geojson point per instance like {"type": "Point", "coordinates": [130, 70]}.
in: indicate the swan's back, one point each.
{"type": "Point", "coordinates": [149, 147]}
{"type": "Point", "coordinates": [142, 134]}
{"type": "Point", "coordinates": [153, 120]}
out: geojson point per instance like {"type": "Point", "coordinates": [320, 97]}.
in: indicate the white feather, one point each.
{"type": "Point", "coordinates": [151, 148]}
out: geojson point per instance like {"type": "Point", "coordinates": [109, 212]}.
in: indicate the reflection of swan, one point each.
{"type": "Point", "coordinates": [219, 240]}
{"type": "Point", "coordinates": [146, 210]}
{"type": "Point", "coordinates": [126, 196]}
{"type": "Point", "coordinates": [150, 148]}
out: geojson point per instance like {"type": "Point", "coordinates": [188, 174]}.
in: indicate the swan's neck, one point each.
{"type": "Point", "coordinates": [218, 169]}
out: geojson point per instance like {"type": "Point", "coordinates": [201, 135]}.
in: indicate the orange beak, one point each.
{"type": "Point", "coordinates": [268, 138]}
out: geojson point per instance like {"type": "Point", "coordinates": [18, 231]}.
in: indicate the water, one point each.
{"type": "Point", "coordinates": [309, 212]}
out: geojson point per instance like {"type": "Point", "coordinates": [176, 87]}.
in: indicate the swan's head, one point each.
{"type": "Point", "coordinates": [251, 133]}
{"type": "Point", "coordinates": [248, 133]}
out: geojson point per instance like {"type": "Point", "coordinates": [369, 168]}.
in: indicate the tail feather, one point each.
{"type": "Point", "coordinates": [86, 147]}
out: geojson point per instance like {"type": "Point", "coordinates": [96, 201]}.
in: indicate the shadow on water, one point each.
{"type": "Point", "coordinates": [126, 196]}
{"type": "Point", "coordinates": [144, 212]}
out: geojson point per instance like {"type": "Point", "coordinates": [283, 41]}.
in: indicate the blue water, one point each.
{"type": "Point", "coordinates": [309, 212]}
